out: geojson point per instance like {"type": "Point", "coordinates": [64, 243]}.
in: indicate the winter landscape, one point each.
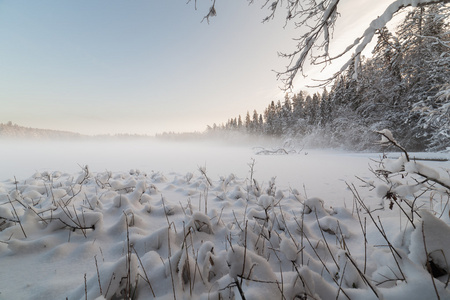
{"type": "Point", "coordinates": [336, 192]}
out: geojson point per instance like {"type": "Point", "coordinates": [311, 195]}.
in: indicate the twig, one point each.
{"type": "Point", "coordinates": [428, 262]}
{"type": "Point", "coordinates": [145, 273]}
{"type": "Point", "coordinates": [239, 287]}
{"type": "Point", "coordinates": [252, 170]}
{"type": "Point", "coordinates": [358, 198]}
{"type": "Point", "coordinates": [109, 285]}
{"type": "Point", "coordinates": [128, 284]}
{"type": "Point", "coordinates": [203, 171]}
{"type": "Point", "coordinates": [245, 249]}
{"type": "Point", "coordinates": [98, 275]}
{"type": "Point", "coordinates": [165, 213]}
{"type": "Point", "coordinates": [392, 141]}
{"type": "Point", "coordinates": [323, 263]}
{"type": "Point", "coordinates": [340, 282]}
{"type": "Point", "coordinates": [305, 286]}
{"type": "Point", "coordinates": [362, 275]}
{"type": "Point", "coordinates": [325, 240]}
{"type": "Point", "coordinates": [79, 222]}
{"type": "Point", "coordinates": [85, 287]}
{"type": "Point", "coordinates": [170, 263]}
{"type": "Point", "coordinates": [206, 200]}
{"type": "Point", "coordinates": [391, 248]}
{"type": "Point", "coordinates": [17, 216]}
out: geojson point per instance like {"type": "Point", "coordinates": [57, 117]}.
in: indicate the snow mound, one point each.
{"type": "Point", "coordinates": [129, 235]}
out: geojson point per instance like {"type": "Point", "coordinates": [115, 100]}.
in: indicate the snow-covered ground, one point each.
{"type": "Point", "coordinates": [180, 221]}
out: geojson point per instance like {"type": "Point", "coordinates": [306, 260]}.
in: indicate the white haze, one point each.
{"type": "Point", "coordinates": [317, 171]}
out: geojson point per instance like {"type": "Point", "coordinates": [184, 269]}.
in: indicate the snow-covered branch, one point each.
{"type": "Point", "coordinates": [318, 36]}
{"type": "Point", "coordinates": [411, 166]}
{"type": "Point", "coordinates": [319, 18]}
{"type": "Point", "coordinates": [387, 138]}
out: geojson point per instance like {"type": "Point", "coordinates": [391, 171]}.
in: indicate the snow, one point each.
{"type": "Point", "coordinates": [386, 136]}
{"type": "Point", "coordinates": [420, 168]}
{"type": "Point", "coordinates": [289, 249]}
{"type": "Point", "coordinates": [295, 230]}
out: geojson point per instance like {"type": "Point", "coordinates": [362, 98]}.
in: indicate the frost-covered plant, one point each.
{"type": "Point", "coordinates": [404, 182]}
{"type": "Point", "coordinates": [406, 179]}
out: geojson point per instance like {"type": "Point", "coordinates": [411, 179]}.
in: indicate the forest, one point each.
{"type": "Point", "coordinates": [404, 86]}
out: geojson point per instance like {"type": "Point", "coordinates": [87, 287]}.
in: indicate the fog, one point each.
{"type": "Point", "coordinates": [314, 172]}
{"type": "Point", "coordinates": [23, 158]}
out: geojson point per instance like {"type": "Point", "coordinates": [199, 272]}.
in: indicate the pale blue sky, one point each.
{"type": "Point", "coordinates": [141, 66]}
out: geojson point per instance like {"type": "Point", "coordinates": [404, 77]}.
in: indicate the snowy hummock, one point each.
{"type": "Point", "coordinates": [96, 234]}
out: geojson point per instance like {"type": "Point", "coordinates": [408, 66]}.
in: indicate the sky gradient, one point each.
{"type": "Point", "coordinates": [145, 67]}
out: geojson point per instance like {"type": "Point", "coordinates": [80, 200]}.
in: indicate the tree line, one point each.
{"type": "Point", "coordinates": [403, 86]}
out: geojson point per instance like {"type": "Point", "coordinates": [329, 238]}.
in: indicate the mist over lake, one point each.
{"type": "Point", "coordinates": [315, 171]}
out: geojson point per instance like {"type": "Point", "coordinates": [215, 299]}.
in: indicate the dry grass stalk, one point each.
{"type": "Point", "coordinates": [145, 273]}
{"type": "Point", "coordinates": [17, 216]}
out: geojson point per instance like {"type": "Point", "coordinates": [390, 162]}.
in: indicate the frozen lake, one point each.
{"type": "Point", "coordinates": [321, 173]}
